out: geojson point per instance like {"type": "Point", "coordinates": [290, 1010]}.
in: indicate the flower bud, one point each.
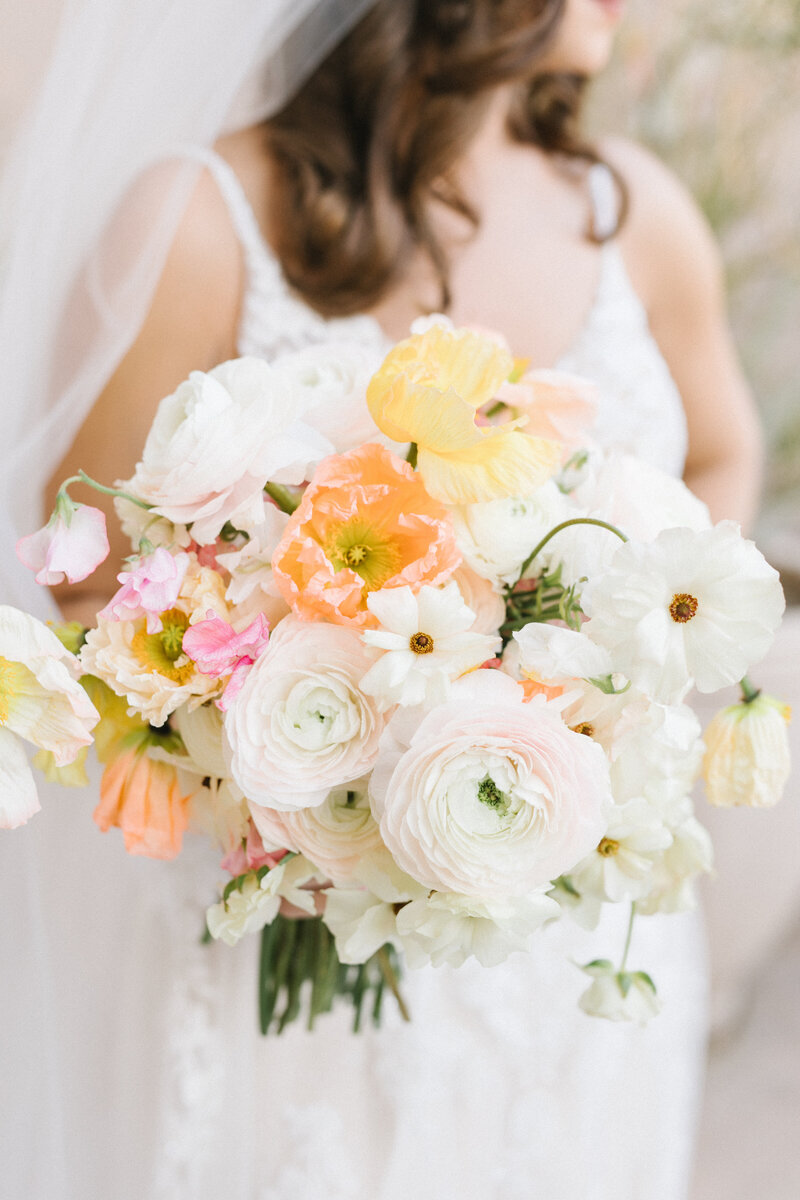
{"type": "Point", "coordinates": [747, 753]}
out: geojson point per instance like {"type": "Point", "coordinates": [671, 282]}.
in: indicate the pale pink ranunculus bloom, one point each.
{"type": "Point", "coordinates": [149, 589]}
{"type": "Point", "coordinates": [70, 546]}
{"type": "Point", "coordinates": [489, 795]}
{"type": "Point", "coordinates": [301, 724]}
{"type": "Point", "coordinates": [217, 649]}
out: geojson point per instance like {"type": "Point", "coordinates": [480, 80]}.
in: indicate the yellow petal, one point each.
{"type": "Point", "coordinates": [441, 422]}
{"type": "Point", "coordinates": [502, 464]}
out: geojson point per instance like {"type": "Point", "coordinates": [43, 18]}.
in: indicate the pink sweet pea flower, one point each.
{"type": "Point", "coordinates": [217, 649]}
{"type": "Point", "coordinates": [149, 589]}
{"type": "Point", "coordinates": [71, 545]}
{"type": "Point", "coordinates": [250, 854]}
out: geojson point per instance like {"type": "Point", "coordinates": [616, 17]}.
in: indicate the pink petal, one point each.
{"type": "Point", "coordinates": [60, 550]}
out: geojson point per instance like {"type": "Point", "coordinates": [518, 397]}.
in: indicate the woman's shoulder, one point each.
{"type": "Point", "coordinates": [665, 238]}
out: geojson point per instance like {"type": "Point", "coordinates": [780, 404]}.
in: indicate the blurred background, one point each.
{"type": "Point", "coordinates": [714, 89]}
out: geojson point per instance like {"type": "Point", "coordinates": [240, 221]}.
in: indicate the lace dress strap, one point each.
{"type": "Point", "coordinates": [604, 201]}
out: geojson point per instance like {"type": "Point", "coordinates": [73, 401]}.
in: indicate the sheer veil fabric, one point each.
{"type": "Point", "coordinates": [90, 201]}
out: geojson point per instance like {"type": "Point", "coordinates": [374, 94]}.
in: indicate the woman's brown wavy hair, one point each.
{"type": "Point", "coordinates": [372, 138]}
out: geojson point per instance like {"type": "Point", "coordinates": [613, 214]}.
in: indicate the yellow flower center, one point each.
{"type": "Point", "coordinates": [12, 679]}
{"type": "Point", "coordinates": [421, 643]}
{"type": "Point", "coordinates": [608, 847]}
{"type": "Point", "coordinates": [585, 727]}
{"type": "Point", "coordinates": [162, 653]}
{"type": "Point", "coordinates": [366, 549]}
{"type": "Point", "coordinates": [683, 607]}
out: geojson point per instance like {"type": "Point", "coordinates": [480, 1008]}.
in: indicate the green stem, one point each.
{"type": "Point", "coordinates": [285, 500]}
{"type": "Point", "coordinates": [749, 693]}
{"type": "Point", "coordinates": [82, 477]}
{"type": "Point", "coordinates": [564, 525]}
{"type": "Point", "coordinates": [411, 457]}
{"type": "Point", "coordinates": [628, 938]}
{"type": "Point", "coordinates": [389, 975]}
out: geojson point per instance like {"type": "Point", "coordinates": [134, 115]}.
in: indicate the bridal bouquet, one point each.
{"type": "Point", "coordinates": [413, 654]}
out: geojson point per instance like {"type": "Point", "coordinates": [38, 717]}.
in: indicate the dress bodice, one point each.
{"type": "Point", "coordinates": [639, 406]}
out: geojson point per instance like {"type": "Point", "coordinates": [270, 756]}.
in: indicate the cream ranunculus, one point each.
{"type": "Point", "coordinates": [216, 441]}
{"type": "Point", "coordinates": [747, 753]}
{"type": "Point", "coordinates": [300, 725]}
{"type": "Point", "coordinates": [40, 701]}
{"type": "Point", "coordinates": [488, 795]}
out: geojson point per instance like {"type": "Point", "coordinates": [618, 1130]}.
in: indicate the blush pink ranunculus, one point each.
{"type": "Point", "coordinates": [149, 589]}
{"type": "Point", "coordinates": [365, 522]}
{"type": "Point", "coordinates": [70, 546]}
{"type": "Point", "coordinates": [489, 796]}
{"type": "Point", "coordinates": [217, 649]}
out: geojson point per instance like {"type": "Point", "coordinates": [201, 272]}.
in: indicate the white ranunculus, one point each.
{"type": "Point", "coordinates": [619, 995]}
{"type": "Point", "coordinates": [622, 864]}
{"type": "Point", "coordinates": [488, 795]}
{"type": "Point", "coordinates": [328, 382]}
{"type": "Point", "coordinates": [687, 608]}
{"type": "Point", "coordinates": [256, 904]}
{"type": "Point", "coordinates": [335, 835]}
{"type": "Point", "coordinates": [216, 441]}
{"type": "Point", "coordinates": [426, 641]}
{"type": "Point", "coordinates": [40, 701]}
{"type": "Point", "coordinates": [300, 724]}
{"type": "Point", "coordinates": [638, 498]}
{"type": "Point", "coordinates": [497, 536]}
{"type": "Point", "coordinates": [446, 928]}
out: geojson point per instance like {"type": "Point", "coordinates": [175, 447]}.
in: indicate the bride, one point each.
{"type": "Point", "coordinates": [414, 156]}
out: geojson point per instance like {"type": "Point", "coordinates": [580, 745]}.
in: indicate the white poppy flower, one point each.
{"type": "Point", "coordinates": [216, 441]}
{"type": "Point", "coordinates": [427, 642]}
{"type": "Point", "coordinates": [446, 928]}
{"type": "Point", "coordinates": [690, 607]}
{"type": "Point", "coordinates": [40, 701]}
{"type": "Point", "coordinates": [488, 795]}
{"type": "Point", "coordinates": [301, 724]}
{"type": "Point", "coordinates": [619, 995]}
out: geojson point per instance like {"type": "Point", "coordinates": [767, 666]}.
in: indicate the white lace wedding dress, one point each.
{"type": "Point", "coordinates": [500, 1087]}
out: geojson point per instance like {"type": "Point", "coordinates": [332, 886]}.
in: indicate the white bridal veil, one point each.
{"type": "Point", "coordinates": [82, 244]}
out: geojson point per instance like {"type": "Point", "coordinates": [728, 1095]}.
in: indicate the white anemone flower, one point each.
{"type": "Point", "coordinates": [691, 607]}
{"type": "Point", "coordinates": [554, 654]}
{"type": "Point", "coordinates": [622, 865]}
{"type": "Point", "coordinates": [40, 701]}
{"type": "Point", "coordinates": [427, 642]}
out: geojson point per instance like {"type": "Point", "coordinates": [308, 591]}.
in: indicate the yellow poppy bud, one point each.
{"type": "Point", "coordinates": [747, 753]}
